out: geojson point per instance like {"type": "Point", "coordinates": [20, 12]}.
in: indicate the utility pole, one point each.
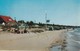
{"type": "Point", "coordinates": [46, 21]}
{"type": "Point", "coordinates": [15, 18]}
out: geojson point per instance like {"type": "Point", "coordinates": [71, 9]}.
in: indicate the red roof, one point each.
{"type": "Point", "coordinates": [7, 19]}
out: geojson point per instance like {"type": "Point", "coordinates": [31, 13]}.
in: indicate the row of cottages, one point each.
{"type": "Point", "coordinates": [6, 20]}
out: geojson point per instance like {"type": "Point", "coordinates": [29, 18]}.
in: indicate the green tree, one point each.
{"type": "Point", "coordinates": [21, 21]}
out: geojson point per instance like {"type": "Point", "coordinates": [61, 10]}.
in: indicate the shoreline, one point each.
{"type": "Point", "coordinates": [60, 41]}
{"type": "Point", "coordinates": [40, 41]}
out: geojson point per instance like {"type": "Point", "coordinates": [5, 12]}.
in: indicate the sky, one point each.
{"type": "Point", "coordinates": [64, 12]}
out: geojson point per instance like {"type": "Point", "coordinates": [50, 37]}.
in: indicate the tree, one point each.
{"type": "Point", "coordinates": [21, 21]}
{"type": "Point", "coordinates": [27, 22]}
{"type": "Point", "coordinates": [40, 24]}
{"type": "Point", "coordinates": [30, 23]}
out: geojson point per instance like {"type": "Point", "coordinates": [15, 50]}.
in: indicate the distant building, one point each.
{"type": "Point", "coordinates": [6, 20]}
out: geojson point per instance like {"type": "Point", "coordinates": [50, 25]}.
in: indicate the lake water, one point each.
{"type": "Point", "coordinates": [73, 41]}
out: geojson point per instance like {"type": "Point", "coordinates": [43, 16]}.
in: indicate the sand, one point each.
{"type": "Point", "coordinates": [31, 41]}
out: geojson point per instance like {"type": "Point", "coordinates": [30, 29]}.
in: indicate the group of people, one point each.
{"type": "Point", "coordinates": [18, 31]}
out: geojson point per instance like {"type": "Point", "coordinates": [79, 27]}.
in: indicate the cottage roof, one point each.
{"type": "Point", "coordinates": [7, 19]}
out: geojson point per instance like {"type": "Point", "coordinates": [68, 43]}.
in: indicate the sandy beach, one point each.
{"type": "Point", "coordinates": [31, 41]}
